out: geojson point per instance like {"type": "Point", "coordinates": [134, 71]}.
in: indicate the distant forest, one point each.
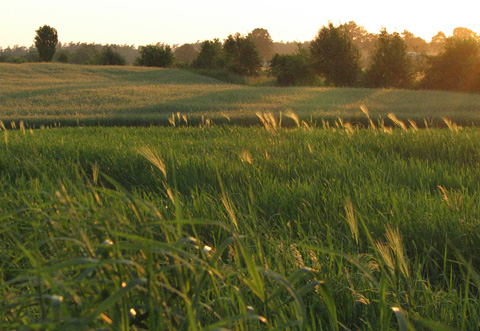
{"type": "Point", "coordinates": [83, 53]}
{"type": "Point", "coordinates": [344, 55]}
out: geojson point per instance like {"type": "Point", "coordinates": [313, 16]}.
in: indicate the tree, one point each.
{"type": "Point", "coordinates": [109, 56]}
{"type": "Point", "coordinates": [63, 56]}
{"type": "Point", "coordinates": [86, 54]}
{"type": "Point", "coordinates": [390, 65]}
{"type": "Point", "coordinates": [414, 43]}
{"type": "Point", "coordinates": [292, 69]}
{"type": "Point", "coordinates": [464, 33]}
{"type": "Point", "coordinates": [242, 55]}
{"type": "Point", "coordinates": [438, 42]}
{"type": "Point", "coordinates": [363, 40]}
{"type": "Point", "coordinates": [185, 53]}
{"type": "Point", "coordinates": [335, 57]}
{"type": "Point", "coordinates": [46, 42]}
{"type": "Point", "coordinates": [264, 43]}
{"type": "Point", "coordinates": [211, 56]}
{"type": "Point", "coordinates": [155, 56]}
{"type": "Point", "coordinates": [457, 67]}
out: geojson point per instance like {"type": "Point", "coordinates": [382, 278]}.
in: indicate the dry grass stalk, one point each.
{"type": "Point", "coordinates": [451, 125]}
{"type": "Point", "coordinates": [154, 158]}
{"type": "Point", "coordinates": [397, 121]}
{"type": "Point", "coordinates": [294, 117]}
{"type": "Point", "coordinates": [364, 109]}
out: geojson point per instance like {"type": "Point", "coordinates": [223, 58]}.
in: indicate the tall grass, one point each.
{"type": "Point", "coordinates": [204, 228]}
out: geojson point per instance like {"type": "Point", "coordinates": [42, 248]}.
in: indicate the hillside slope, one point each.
{"type": "Point", "coordinates": [71, 95]}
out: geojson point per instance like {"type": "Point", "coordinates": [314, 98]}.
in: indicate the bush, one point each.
{"type": "Point", "coordinates": [46, 42]}
{"type": "Point", "coordinates": [86, 54]}
{"type": "Point", "coordinates": [390, 64]}
{"type": "Point", "coordinates": [242, 55]}
{"type": "Point", "coordinates": [185, 53]}
{"type": "Point", "coordinates": [211, 56]}
{"type": "Point", "coordinates": [63, 56]}
{"type": "Point", "coordinates": [155, 56]}
{"type": "Point", "coordinates": [110, 57]}
{"type": "Point", "coordinates": [292, 69]}
{"type": "Point", "coordinates": [335, 57]}
{"type": "Point", "coordinates": [456, 68]}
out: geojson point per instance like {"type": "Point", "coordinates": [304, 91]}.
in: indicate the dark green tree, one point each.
{"type": "Point", "coordinates": [185, 53]}
{"type": "Point", "coordinates": [335, 57]}
{"type": "Point", "coordinates": [109, 56]}
{"type": "Point", "coordinates": [242, 55]}
{"type": "Point", "coordinates": [390, 64]}
{"type": "Point", "coordinates": [292, 69]}
{"type": "Point", "coordinates": [263, 41]}
{"type": "Point", "coordinates": [46, 42]}
{"type": "Point", "coordinates": [86, 54]}
{"type": "Point", "coordinates": [158, 55]}
{"type": "Point", "coordinates": [457, 67]}
{"type": "Point", "coordinates": [63, 56]}
{"type": "Point", "coordinates": [211, 56]}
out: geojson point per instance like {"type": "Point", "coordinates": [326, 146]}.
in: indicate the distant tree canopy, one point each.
{"type": "Point", "coordinates": [414, 43]}
{"type": "Point", "coordinates": [46, 42]}
{"type": "Point", "coordinates": [457, 67]}
{"type": "Point", "coordinates": [109, 56]}
{"type": "Point", "coordinates": [242, 56]}
{"type": "Point", "coordinates": [390, 64]}
{"type": "Point", "coordinates": [335, 57]}
{"type": "Point", "coordinates": [155, 56]}
{"type": "Point", "coordinates": [86, 54]}
{"type": "Point", "coordinates": [185, 53]}
{"type": "Point", "coordinates": [264, 43]}
{"type": "Point", "coordinates": [211, 55]}
{"type": "Point", "coordinates": [292, 69]}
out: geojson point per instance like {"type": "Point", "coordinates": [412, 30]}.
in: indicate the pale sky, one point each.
{"type": "Point", "coordinates": [142, 22]}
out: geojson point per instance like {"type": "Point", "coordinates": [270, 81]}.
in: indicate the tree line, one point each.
{"type": "Point", "coordinates": [339, 55]}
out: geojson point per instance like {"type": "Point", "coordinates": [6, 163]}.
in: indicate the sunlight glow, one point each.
{"type": "Point", "coordinates": [145, 21]}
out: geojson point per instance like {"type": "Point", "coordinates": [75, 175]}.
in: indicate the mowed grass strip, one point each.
{"type": "Point", "coordinates": [44, 94]}
{"type": "Point", "coordinates": [207, 227]}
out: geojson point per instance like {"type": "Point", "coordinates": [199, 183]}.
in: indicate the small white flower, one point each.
{"type": "Point", "coordinates": [107, 242]}
{"type": "Point", "coordinates": [207, 249]}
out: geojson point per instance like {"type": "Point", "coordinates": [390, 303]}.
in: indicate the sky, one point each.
{"type": "Point", "coordinates": [143, 22]}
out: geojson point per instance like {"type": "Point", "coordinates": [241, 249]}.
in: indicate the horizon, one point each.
{"type": "Point", "coordinates": [120, 23]}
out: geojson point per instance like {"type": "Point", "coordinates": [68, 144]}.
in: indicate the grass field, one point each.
{"type": "Point", "coordinates": [44, 94]}
{"type": "Point", "coordinates": [210, 227]}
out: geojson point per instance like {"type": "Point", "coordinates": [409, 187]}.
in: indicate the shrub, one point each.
{"type": "Point", "coordinates": [46, 42]}
{"type": "Point", "coordinates": [242, 55]}
{"type": "Point", "coordinates": [335, 57]}
{"type": "Point", "coordinates": [292, 69]}
{"type": "Point", "coordinates": [155, 56]}
{"type": "Point", "coordinates": [211, 56]}
{"type": "Point", "coordinates": [185, 53]}
{"type": "Point", "coordinates": [108, 56]}
{"type": "Point", "coordinates": [457, 67]}
{"type": "Point", "coordinates": [63, 56]}
{"type": "Point", "coordinates": [86, 54]}
{"type": "Point", "coordinates": [390, 64]}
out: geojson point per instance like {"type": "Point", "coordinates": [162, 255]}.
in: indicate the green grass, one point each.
{"type": "Point", "coordinates": [49, 94]}
{"type": "Point", "coordinates": [323, 226]}
{"type": "Point", "coordinates": [316, 229]}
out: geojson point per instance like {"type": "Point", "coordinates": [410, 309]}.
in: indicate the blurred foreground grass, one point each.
{"type": "Point", "coordinates": [203, 228]}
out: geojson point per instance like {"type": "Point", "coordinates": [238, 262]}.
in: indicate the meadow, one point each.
{"type": "Point", "coordinates": [58, 94]}
{"type": "Point", "coordinates": [202, 226]}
